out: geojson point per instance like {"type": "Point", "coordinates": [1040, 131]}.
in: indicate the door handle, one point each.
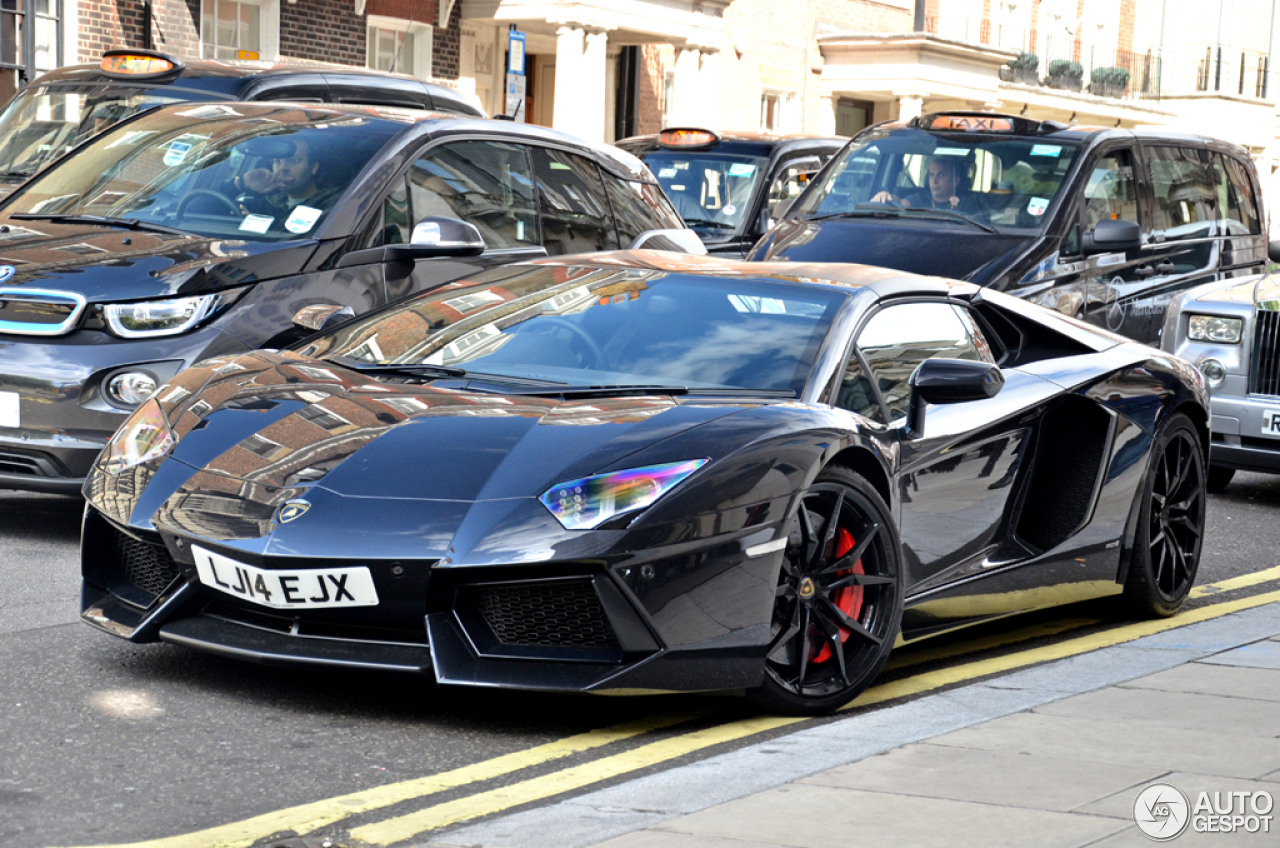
{"type": "Point", "coordinates": [1165, 267]}
{"type": "Point", "coordinates": [1144, 271]}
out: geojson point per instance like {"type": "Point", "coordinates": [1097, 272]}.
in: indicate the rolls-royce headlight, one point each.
{"type": "Point", "coordinates": [590, 501]}
{"type": "Point", "coordinates": [159, 317]}
{"type": "Point", "coordinates": [142, 438]}
{"type": "Point", "coordinates": [1213, 328]}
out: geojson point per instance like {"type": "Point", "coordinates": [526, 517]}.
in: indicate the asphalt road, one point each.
{"type": "Point", "coordinates": [103, 742]}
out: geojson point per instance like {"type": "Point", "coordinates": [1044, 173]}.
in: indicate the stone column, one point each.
{"type": "Point", "coordinates": [909, 106]}
{"type": "Point", "coordinates": [709, 82]}
{"type": "Point", "coordinates": [687, 108]}
{"type": "Point", "coordinates": [570, 81]}
{"type": "Point", "coordinates": [594, 70]}
{"type": "Point", "coordinates": [827, 115]}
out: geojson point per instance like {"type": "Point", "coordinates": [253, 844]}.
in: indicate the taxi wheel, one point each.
{"type": "Point", "coordinates": [1170, 532]}
{"type": "Point", "coordinates": [838, 603]}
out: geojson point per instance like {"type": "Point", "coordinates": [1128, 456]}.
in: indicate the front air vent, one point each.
{"type": "Point", "coordinates": [145, 565]}
{"type": "Point", "coordinates": [546, 614]}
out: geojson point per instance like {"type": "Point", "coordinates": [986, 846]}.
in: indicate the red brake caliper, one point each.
{"type": "Point", "coordinates": [848, 598]}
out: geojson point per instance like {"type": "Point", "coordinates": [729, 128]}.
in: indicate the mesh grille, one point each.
{"type": "Point", "coordinates": [149, 567]}
{"type": "Point", "coordinates": [11, 463]}
{"type": "Point", "coordinates": [557, 614]}
{"type": "Point", "coordinates": [1264, 376]}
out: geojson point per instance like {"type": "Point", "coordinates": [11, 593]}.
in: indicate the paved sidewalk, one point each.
{"type": "Point", "coordinates": [1051, 756]}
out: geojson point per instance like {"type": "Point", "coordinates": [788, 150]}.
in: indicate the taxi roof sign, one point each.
{"type": "Point", "coordinates": [134, 64]}
{"type": "Point", "coordinates": [984, 122]}
{"type": "Point", "coordinates": [687, 138]}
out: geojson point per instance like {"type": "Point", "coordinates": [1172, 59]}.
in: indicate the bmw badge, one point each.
{"type": "Point", "coordinates": [7, 271]}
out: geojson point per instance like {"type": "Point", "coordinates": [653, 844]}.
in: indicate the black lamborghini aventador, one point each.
{"type": "Point", "coordinates": [650, 472]}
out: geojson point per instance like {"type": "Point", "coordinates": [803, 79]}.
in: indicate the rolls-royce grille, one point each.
{"type": "Point", "coordinates": [560, 614]}
{"type": "Point", "coordinates": [147, 566]}
{"type": "Point", "coordinates": [1264, 376]}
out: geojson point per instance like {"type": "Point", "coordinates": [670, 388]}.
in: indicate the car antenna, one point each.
{"type": "Point", "coordinates": [400, 46]}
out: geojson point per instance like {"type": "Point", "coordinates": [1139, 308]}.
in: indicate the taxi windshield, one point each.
{"type": "Point", "coordinates": [219, 170]}
{"type": "Point", "coordinates": [1007, 182]}
{"type": "Point", "coordinates": [601, 328]}
{"type": "Point", "coordinates": [711, 191]}
{"type": "Point", "coordinates": [45, 121]}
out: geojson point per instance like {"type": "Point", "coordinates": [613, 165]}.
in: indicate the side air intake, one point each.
{"type": "Point", "coordinates": [1070, 450]}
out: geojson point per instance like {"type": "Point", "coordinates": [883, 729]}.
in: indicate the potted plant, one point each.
{"type": "Point", "coordinates": [1109, 82]}
{"type": "Point", "coordinates": [1065, 74]}
{"type": "Point", "coordinates": [1024, 69]}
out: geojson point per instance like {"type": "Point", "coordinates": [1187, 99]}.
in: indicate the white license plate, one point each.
{"type": "Point", "coordinates": [9, 416]}
{"type": "Point", "coordinates": [1271, 422]}
{"type": "Point", "coordinates": [311, 588]}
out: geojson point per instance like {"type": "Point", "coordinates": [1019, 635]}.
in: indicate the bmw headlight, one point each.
{"type": "Point", "coordinates": [142, 438]}
{"type": "Point", "coordinates": [159, 317]}
{"type": "Point", "coordinates": [1212, 328]}
{"type": "Point", "coordinates": [591, 501]}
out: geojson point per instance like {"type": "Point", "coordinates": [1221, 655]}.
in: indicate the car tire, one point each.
{"type": "Point", "coordinates": [1170, 533]}
{"type": "Point", "coordinates": [832, 628]}
{"type": "Point", "coordinates": [1219, 478]}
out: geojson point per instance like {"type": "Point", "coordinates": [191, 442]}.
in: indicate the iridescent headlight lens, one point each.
{"type": "Point", "coordinates": [142, 438]}
{"type": "Point", "coordinates": [1211, 328]}
{"type": "Point", "coordinates": [591, 501]}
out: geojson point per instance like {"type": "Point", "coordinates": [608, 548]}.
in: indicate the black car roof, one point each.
{"type": "Point", "coordinates": [236, 79]}
{"type": "Point", "coordinates": [740, 143]}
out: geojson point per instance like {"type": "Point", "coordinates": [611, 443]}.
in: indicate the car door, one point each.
{"type": "Point", "coordinates": [573, 208]}
{"type": "Point", "coordinates": [957, 477]}
{"type": "Point", "coordinates": [1183, 243]}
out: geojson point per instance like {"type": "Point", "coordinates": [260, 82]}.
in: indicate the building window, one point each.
{"type": "Point", "coordinates": [775, 110]}
{"type": "Point", "coordinates": [399, 45]}
{"type": "Point", "coordinates": [668, 97]}
{"type": "Point", "coordinates": [239, 29]}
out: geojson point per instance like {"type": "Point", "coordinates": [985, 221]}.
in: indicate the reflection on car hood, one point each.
{"type": "Point", "coordinates": [1253, 290]}
{"type": "Point", "coordinates": [282, 421]}
{"type": "Point", "coordinates": [920, 247]}
{"type": "Point", "coordinates": [105, 263]}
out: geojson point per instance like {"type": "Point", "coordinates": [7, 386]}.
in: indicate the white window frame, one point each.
{"type": "Point", "coordinates": [423, 38]}
{"type": "Point", "coordinates": [269, 21]}
{"type": "Point", "coordinates": [787, 111]}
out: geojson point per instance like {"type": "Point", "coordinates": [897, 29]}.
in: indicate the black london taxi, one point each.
{"type": "Point", "coordinates": [201, 229]}
{"type": "Point", "coordinates": [62, 108]}
{"type": "Point", "coordinates": [730, 187]}
{"type": "Point", "coordinates": [1107, 225]}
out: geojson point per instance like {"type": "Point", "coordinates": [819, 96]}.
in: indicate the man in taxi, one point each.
{"type": "Point", "coordinates": [946, 189]}
{"type": "Point", "coordinates": [290, 185]}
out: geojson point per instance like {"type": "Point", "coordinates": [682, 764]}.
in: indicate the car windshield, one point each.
{"type": "Point", "coordinates": [603, 327]}
{"type": "Point", "coordinates": [247, 171]}
{"type": "Point", "coordinates": [1003, 181]}
{"type": "Point", "coordinates": [711, 191]}
{"type": "Point", "coordinates": [45, 121]}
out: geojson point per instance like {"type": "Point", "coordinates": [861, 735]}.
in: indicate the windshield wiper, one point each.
{"type": "Point", "coordinates": [408, 368]}
{"type": "Point", "coordinates": [126, 223]}
{"type": "Point", "coordinates": [877, 211]}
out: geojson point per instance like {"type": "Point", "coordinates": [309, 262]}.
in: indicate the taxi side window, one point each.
{"type": "Point", "coordinates": [792, 178]}
{"type": "Point", "coordinates": [897, 339]}
{"type": "Point", "coordinates": [1186, 198]}
{"type": "Point", "coordinates": [1111, 194]}
{"type": "Point", "coordinates": [571, 197]}
{"type": "Point", "coordinates": [638, 208]}
{"type": "Point", "coordinates": [486, 183]}
{"type": "Point", "coordinates": [1236, 208]}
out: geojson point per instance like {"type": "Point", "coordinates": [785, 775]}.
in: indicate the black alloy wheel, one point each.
{"type": "Point", "coordinates": [838, 605]}
{"type": "Point", "coordinates": [1167, 545]}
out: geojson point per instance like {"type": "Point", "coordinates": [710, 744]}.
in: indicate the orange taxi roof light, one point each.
{"type": "Point", "coordinates": [138, 63]}
{"type": "Point", "coordinates": [687, 138]}
{"type": "Point", "coordinates": [971, 123]}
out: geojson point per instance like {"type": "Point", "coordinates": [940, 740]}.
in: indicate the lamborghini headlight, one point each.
{"type": "Point", "coordinates": [159, 317]}
{"type": "Point", "coordinates": [1211, 328]}
{"type": "Point", "coordinates": [142, 438]}
{"type": "Point", "coordinates": [591, 501]}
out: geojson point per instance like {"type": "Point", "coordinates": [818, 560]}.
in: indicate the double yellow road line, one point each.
{"type": "Point", "coordinates": [308, 818]}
